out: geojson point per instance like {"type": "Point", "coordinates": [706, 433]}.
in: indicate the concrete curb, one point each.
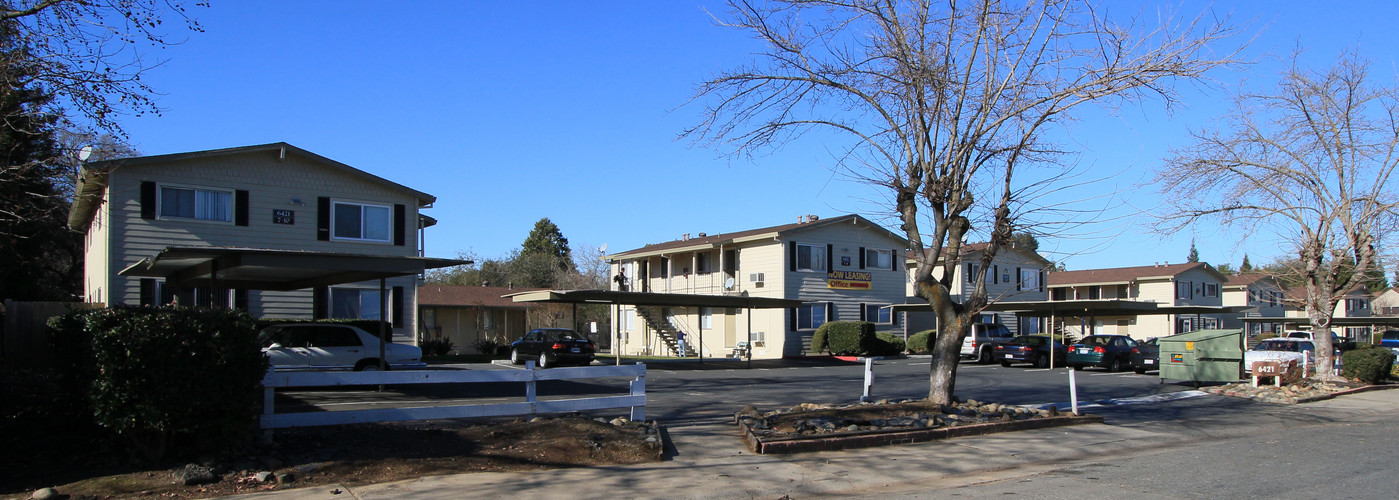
{"type": "Point", "coordinates": [867, 439]}
{"type": "Point", "coordinates": [1357, 390]}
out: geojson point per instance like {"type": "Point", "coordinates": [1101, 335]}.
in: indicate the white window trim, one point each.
{"type": "Point", "coordinates": [388, 232]}
{"type": "Point", "coordinates": [822, 305]}
{"type": "Point", "coordinates": [877, 309]}
{"type": "Point", "coordinates": [818, 252]}
{"type": "Point", "coordinates": [1189, 287]}
{"type": "Point", "coordinates": [159, 203]}
{"type": "Point", "coordinates": [878, 253]}
{"type": "Point", "coordinates": [388, 302]}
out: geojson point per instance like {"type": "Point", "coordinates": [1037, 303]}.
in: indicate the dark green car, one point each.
{"type": "Point", "coordinates": [1108, 351]}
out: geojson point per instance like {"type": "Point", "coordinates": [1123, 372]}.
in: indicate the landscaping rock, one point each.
{"type": "Point", "coordinates": [265, 477]}
{"type": "Point", "coordinates": [45, 494]}
{"type": "Point", "coordinates": [193, 474]}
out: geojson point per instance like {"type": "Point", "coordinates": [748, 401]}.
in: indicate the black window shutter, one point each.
{"type": "Point", "coordinates": [398, 306]}
{"type": "Point", "coordinates": [792, 256]}
{"type": "Point", "coordinates": [1041, 280]}
{"type": "Point", "coordinates": [240, 207]}
{"type": "Point", "coordinates": [894, 317]}
{"type": "Point", "coordinates": [830, 311]}
{"type": "Point", "coordinates": [240, 299]}
{"type": "Point", "coordinates": [147, 200]}
{"type": "Point", "coordinates": [323, 219]}
{"type": "Point", "coordinates": [400, 224]}
{"type": "Point", "coordinates": [862, 257]}
{"type": "Point", "coordinates": [792, 319]}
{"type": "Point", "coordinates": [148, 297]}
{"type": "Point", "coordinates": [995, 274]}
{"type": "Point", "coordinates": [318, 302]}
{"type": "Point", "coordinates": [1019, 280]}
{"type": "Point", "coordinates": [862, 312]}
{"type": "Point", "coordinates": [830, 257]}
{"type": "Point", "coordinates": [894, 260]}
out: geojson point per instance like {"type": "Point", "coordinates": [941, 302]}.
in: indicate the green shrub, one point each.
{"type": "Point", "coordinates": [181, 379]}
{"type": "Point", "coordinates": [850, 338]}
{"type": "Point", "coordinates": [486, 346]}
{"type": "Point", "coordinates": [439, 346]}
{"type": "Point", "coordinates": [818, 339]}
{"type": "Point", "coordinates": [922, 342]}
{"type": "Point", "coordinates": [887, 344]}
{"type": "Point", "coordinates": [1367, 363]}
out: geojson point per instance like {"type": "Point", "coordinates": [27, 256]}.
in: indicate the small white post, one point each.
{"type": "Point", "coordinates": [638, 388]}
{"type": "Point", "coordinates": [530, 387]}
{"type": "Point", "coordinates": [869, 379]}
{"type": "Point", "coordinates": [1073, 390]}
{"type": "Point", "coordinates": [1307, 360]}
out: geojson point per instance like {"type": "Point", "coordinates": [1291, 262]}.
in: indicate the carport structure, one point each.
{"type": "Point", "coordinates": [618, 299]}
{"type": "Point", "coordinates": [221, 268]}
{"type": "Point", "coordinates": [1087, 311]}
{"type": "Point", "coordinates": [1289, 323]}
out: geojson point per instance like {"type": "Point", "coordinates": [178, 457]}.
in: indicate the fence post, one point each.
{"type": "Point", "coordinates": [530, 387]}
{"type": "Point", "coordinates": [638, 388]}
{"type": "Point", "coordinates": [269, 395]}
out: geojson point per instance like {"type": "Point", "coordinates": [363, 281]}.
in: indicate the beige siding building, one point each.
{"type": "Point", "coordinates": [1354, 304]}
{"type": "Point", "coordinates": [1178, 291]}
{"type": "Point", "coordinates": [468, 314]}
{"type": "Point", "coordinates": [843, 268]}
{"type": "Point", "coordinates": [1263, 294]}
{"type": "Point", "coordinates": [1015, 275]}
{"type": "Point", "coordinates": [273, 196]}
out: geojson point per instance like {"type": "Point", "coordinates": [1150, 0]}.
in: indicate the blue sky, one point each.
{"type": "Point", "coordinates": [512, 111]}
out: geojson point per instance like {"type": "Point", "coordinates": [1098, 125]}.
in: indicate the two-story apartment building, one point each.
{"type": "Point", "coordinates": [1354, 304]}
{"type": "Point", "coordinates": [1262, 294]}
{"type": "Point", "coordinates": [841, 268]}
{"type": "Point", "coordinates": [265, 198]}
{"type": "Point", "coordinates": [1015, 275]}
{"type": "Point", "coordinates": [1183, 298]}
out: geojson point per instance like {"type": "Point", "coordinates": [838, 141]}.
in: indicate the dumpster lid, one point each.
{"type": "Point", "coordinates": [1200, 335]}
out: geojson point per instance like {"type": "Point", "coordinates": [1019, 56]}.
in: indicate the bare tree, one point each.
{"type": "Point", "coordinates": [946, 102]}
{"type": "Point", "coordinates": [1311, 162]}
{"type": "Point", "coordinates": [89, 53]}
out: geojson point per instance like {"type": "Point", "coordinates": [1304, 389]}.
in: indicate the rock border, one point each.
{"type": "Point", "coordinates": [868, 439]}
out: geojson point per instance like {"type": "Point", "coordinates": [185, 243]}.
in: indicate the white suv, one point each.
{"type": "Point", "coordinates": [321, 346]}
{"type": "Point", "coordinates": [983, 339]}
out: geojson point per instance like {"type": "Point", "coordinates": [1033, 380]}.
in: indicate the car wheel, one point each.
{"type": "Point", "coordinates": [1078, 368]}
{"type": "Point", "coordinates": [1140, 371]}
{"type": "Point", "coordinates": [1115, 365]}
{"type": "Point", "coordinates": [1041, 361]}
{"type": "Point", "coordinates": [985, 356]}
{"type": "Point", "coordinates": [515, 358]}
{"type": "Point", "coordinates": [1005, 364]}
{"type": "Point", "coordinates": [367, 365]}
{"type": "Point", "coordinates": [544, 361]}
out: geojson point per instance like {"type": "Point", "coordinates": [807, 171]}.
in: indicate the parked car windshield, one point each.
{"type": "Point", "coordinates": [1283, 345]}
{"type": "Point", "coordinates": [1096, 341]}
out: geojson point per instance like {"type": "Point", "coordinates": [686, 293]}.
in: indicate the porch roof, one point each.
{"type": "Point", "coordinates": [653, 299]}
{"type": "Point", "coordinates": [267, 269]}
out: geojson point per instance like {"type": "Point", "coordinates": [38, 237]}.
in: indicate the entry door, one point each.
{"type": "Point", "coordinates": [730, 327]}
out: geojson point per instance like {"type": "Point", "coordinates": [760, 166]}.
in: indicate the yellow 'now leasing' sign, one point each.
{"type": "Point", "coordinates": [849, 280]}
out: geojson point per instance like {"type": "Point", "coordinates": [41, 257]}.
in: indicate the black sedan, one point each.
{"type": "Point", "coordinates": [1033, 349]}
{"type": "Point", "coordinates": [1107, 351]}
{"type": "Point", "coordinates": [553, 347]}
{"type": "Point", "coordinates": [1146, 356]}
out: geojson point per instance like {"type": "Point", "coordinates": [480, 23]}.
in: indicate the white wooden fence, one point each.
{"type": "Point", "coordinates": [530, 406]}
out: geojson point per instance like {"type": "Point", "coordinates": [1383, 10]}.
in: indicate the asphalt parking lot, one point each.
{"type": "Point", "coordinates": [681, 392]}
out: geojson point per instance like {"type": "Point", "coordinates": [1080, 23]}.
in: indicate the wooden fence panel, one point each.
{"type": "Point", "coordinates": [25, 339]}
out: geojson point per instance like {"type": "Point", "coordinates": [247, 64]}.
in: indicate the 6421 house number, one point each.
{"type": "Point", "coordinates": [280, 216]}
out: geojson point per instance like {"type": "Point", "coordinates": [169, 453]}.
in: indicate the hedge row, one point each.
{"type": "Point", "coordinates": [854, 338]}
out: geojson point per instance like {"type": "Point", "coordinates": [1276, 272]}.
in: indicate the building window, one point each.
{"type": "Point", "coordinates": [1059, 294]}
{"type": "Point", "coordinates": [353, 221]}
{"type": "Point", "coordinates": [487, 318]}
{"type": "Point", "coordinates": [702, 264]}
{"type": "Point", "coordinates": [879, 259]}
{"type": "Point", "coordinates": [1211, 289]}
{"type": "Point", "coordinates": [1353, 305]}
{"type": "Point", "coordinates": [196, 204]}
{"type": "Point", "coordinates": [1183, 290]}
{"type": "Point", "coordinates": [879, 313]}
{"type": "Point", "coordinates": [811, 258]}
{"type": "Point", "coordinates": [706, 318]}
{"type": "Point", "coordinates": [1029, 279]}
{"type": "Point", "coordinates": [811, 316]}
{"type": "Point", "coordinates": [1095, 292]}
{"type": "Point", "coordinates": [354, 303]}
{"type": "Point", "coordinates": [1210, 323]}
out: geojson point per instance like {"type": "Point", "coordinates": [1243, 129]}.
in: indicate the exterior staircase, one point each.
{"type": "Point", "coordinates": [666, 330]}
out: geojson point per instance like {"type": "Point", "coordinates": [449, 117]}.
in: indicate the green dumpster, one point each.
{"type": "Point", "coordinates": [1203, 356]}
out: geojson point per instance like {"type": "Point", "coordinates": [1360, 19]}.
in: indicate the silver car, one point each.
{"type": "Point", "coordinates": [321, 346]}
{"type": "Point", "coordinates": [1283, 350]}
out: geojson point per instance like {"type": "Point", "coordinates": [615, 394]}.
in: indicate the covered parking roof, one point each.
{"type": "Point", "coordinates": [266, 269]}
{"type": "Point", "coordinates": [652, 299]}
{"type": "Point", "coordinates": [1089, 307]}
{"type": "Point", "coordinates": [1348, 321]}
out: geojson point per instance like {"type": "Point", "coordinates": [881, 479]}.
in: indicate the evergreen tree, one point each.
{"type": "Point", "coordinates": [40, 258]}
{"type": "Point", "coordinates": [547, 244]}
{"type": "Point", "coordinates": [1194, 254]}
{"type": "Point", "coordinates": [1026, 241]}
{"type": "Point", "coordinates": [1245, 266]}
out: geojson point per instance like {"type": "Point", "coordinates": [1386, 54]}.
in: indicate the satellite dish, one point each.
{"type": "Point", "coordinates": [602, 248]}
{"type": "Point", "coordinates": [85, 153]}
{"type": "Point", "coordinates": [728, 283]}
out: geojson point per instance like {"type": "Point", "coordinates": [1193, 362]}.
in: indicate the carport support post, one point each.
{"type": "Point", "coordinates": [383, 305]}
{"type": "Point", "coordinates": [748, 351]}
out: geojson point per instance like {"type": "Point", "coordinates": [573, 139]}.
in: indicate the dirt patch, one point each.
{"type": "Point", "coordinates": [46, 444]}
